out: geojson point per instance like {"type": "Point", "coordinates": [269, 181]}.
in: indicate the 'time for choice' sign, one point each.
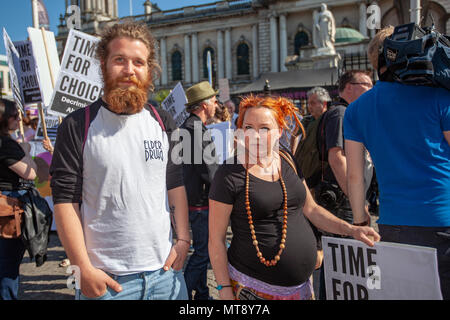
{"type": "Point", "coordinates": [387, 271]}
{"type": "Point", "coordinates": [79, 81]}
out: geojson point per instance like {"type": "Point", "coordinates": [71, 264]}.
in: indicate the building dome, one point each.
{"type": "Point", "coordinates": [348, 35]}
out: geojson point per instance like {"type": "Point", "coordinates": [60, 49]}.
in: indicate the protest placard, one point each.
{"type": "Point", "coordinates": [387, 271]}
{"type": "Point", "coordinates": [47, 61]}
{"type": "Point", "coordinates": [224, 90]}
{"type": "Point", "coordinates": [52, 124]}
{"type": "Point", "coordinates": [14, 65]}
{"type": "Point", "coordinates": [175, 104]}
{"type": "Point", "coordinates": [222, 135]}
{"type": "Point", "coordinates": [28, 80]}
{"type": "Point", "coordinates": [79, 81]}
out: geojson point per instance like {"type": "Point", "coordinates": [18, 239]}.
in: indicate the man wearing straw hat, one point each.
{"type": "Point", "coordinates": [198, 174]}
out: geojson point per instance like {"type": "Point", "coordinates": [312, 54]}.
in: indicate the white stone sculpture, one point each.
{"type": "Point", "coordinates": [326, 27]}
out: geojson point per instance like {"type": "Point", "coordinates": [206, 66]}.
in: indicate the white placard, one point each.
{"type": "Point", "coordinates": [28, 80]}
{"type": "Point", "coordinates": [175, 104]}
{"type": "Point", "coordinates": [14, 66]}
{"type": "Point", "coordinates": [43, 63]}
{"type": "Point", "coordinates": [79, 81]}
{"type": "Point", "coordinates": [387, 271]}
{"type": "Point", "coordinates": [222, 135]}
{"type": "Point", "coordinates": [224, 90]}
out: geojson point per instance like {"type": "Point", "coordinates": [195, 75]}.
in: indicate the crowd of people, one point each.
{"type": "Point", "coordinates": [121, 194]}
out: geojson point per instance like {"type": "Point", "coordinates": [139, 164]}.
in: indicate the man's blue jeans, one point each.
{"type": "Point", "coordinates": [197, 267]}
{"type": "Point", "coordinates": [151, 285]}
{"type": "Point", "coordinates": [438, 238]}
{"type": "Point", "coordinates": [11, 254]}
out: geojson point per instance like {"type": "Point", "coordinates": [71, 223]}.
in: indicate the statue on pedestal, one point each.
{"type": "Point", "coordinates": [326, 27]}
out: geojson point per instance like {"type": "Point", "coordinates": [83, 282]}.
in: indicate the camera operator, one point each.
{"type": "Point", "coordinates": [406, 128]}
{"type": "Point", "coordinates": [332, 190]}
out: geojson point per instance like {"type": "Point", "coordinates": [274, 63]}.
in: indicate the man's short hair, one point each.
{"type": "Point", "coordinates": [321, 93]}
{"type": "Point", "coordinates": [349, 76]}
{"type": "Point", "coordinates": [376, 44]}
{"type": "Point", "coordinates": [135, 31]}
{"type": "Point", "coordinates": [194, 107]}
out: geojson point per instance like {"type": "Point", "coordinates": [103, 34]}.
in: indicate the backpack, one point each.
{"type": "Point", "coordinates": [417, 56]}
{"type": "Point", "coordinates": [307, 153]}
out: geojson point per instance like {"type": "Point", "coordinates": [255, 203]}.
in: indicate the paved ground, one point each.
{"type": "Point", "coordinates": [49, 282]}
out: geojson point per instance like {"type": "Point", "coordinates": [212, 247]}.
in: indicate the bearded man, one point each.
{"type": "Point", "coordinates": [113, 181]}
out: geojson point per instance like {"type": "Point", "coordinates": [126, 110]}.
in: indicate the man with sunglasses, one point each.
{"type": "Point", "coordinates": [352, 85]}
{"type": "Point", "coordinates": [331, 192]}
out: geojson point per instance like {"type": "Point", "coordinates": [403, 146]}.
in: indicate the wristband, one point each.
{"type": "Point", "coordinates": [362, 224]}
{"type": "Point", "coordinates": [220, 287]}
{"type": "Point", "coordinates": [187, 241]}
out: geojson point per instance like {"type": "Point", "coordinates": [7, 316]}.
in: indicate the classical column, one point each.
{"type": "Point", "coordinates": [195, 74]}
{"type": "Point", "coordinates": [363, 18]}
{"type": "Point", "coordinates": [273, 44]}
{"type": "Point", "coordinates": [314, 32]}
{"type": "Point", "coordinates": [415, 11]}
{"type": "Point", "coordinates": [87, 5]}
{"type": "Point", "coordinates": [100, 6]}
{"type": "Point", "coordinates": [283, 42]}
{"type": "Point", "coordinates": [116, 9]}
{"type": "Point", "coordinates": [220, 61]}
{"type": "Point", "coordinates": [111, 8]}
{"type": "Point", "coordinates": [228, 60]}
{"type": "Point", "coordinates": [187, 59]}
{"type": "Point", "coordinates": [255, 51]}
{"type": "Point", "coordinates": [163, 58]}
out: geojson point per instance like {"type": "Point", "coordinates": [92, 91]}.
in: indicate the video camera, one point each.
{"type": "Point", "coordinates": [418, 56]}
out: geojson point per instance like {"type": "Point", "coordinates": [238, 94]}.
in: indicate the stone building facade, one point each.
{"type": "Point", "coordinates": [252, 39]}
{"type": "Point", "coordinates": [5, 84]}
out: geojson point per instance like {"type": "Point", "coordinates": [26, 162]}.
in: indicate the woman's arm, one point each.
{"type": "Point", "coordinates": [26, 168]}
{"type": "Point", "coordinates": [219, 217]}
{"type": "Point", "coordinates": [326, 221]}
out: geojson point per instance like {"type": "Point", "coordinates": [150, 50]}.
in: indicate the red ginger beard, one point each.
{"type": "Point", "coordinates": [129, 100]}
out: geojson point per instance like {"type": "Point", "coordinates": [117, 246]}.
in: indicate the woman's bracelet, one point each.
{"type": "Point", "coordinates": [220, 287]}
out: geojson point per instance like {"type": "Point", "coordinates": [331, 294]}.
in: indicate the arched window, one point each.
{"type": "Point", "coordinates": [301, 39]}
{"type": "Point", "coordinates": [243, 59]}
{"type": "Point", "coordinates": [176, 66]}
{"type": "Point", "coordinates": [205, 62]}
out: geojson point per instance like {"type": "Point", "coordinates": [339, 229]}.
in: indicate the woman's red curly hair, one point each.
{"type": "Point", "coordinates": [282, 108]}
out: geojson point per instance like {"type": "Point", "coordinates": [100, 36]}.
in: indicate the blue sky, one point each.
{"type": "Point", "coordinates": [16, 16]}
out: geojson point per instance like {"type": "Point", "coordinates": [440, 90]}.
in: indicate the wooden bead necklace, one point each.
{"type": "Point", "coordinates": [274, 261]}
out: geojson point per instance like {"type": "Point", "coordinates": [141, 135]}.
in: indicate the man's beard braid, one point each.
{"type": "Point", "coordinates": [129, 100]}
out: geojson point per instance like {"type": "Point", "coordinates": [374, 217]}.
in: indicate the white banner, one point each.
{"type": "Point", "coordinates": [28, 79]}
{"type": "Point", "coordinates": [175, 104]}
{"type": "Point", "coordinates": [14, 67]}
{"type": "Point", "coordinates": [79, 81]}
{"type": "Point", "coordinates": [387, 271]}
{"type": "Point", "coordinates": [44, 63]}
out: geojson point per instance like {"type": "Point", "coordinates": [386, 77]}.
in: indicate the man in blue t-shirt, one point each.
{"type": "Point", "coordinates": [406, 129]}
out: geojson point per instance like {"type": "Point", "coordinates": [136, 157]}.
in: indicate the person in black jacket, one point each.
{"type": "Point", "coordinates": [16, 166]}
{"type": "Point", "coordinates": [198, 175]}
